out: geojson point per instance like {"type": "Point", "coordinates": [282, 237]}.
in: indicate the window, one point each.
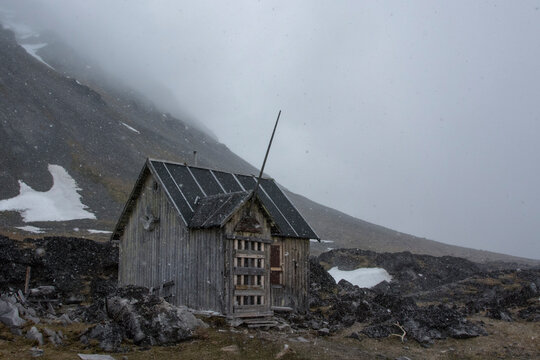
{"type": "Point", "coordinates": [275, 265]}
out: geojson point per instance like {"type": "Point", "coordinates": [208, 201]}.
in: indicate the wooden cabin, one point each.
{"type": "Point", "coordinates": [202, 238]}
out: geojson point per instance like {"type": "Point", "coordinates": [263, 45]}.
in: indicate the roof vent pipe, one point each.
{"type": "Point", "coordinates": [195, 157]}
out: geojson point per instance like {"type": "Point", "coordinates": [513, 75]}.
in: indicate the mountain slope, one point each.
{"type": "Point", "coordinates": [100, 138]}
{"type": "Point", "coordinates": [70, 114]}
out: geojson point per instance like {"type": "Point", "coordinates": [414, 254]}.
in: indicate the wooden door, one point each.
{"type": "Point", "coordinates": [276, 275]}
{"type": "Point", "coordinates": [250, 276]}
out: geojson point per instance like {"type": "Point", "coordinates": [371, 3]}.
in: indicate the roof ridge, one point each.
{"type": "Point", "coordinates": [205, 168]}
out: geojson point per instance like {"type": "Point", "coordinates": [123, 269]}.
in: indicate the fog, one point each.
{"type": "Point", "coordinates": [423, 117]}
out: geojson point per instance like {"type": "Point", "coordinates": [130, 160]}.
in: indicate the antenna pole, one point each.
{"type": "Point", "coordinates": [266, 156]}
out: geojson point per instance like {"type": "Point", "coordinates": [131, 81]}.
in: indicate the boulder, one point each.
{"type": "Point", "coordinates": [9, 314]}
{"type": "Point", "coordinates": [324, 332]}
{"type": "Point", "coordinates": [43, 291]}
{"type": "Point", "coordinates": [35, 335]}
{"type": "Point", "coordinates": [132, 313]}
{"type": "Point", "coordinates": [36, 352]}
{"type": "Point", "coordinates": [54, 337]}
{"type": "Point", "coordinates": [109, 335]}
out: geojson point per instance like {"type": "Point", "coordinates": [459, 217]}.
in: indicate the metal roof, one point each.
{"type": "Point", "coordinates": [187, 185]}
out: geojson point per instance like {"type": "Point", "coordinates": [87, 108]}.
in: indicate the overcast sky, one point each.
{"type": "Point", "coordinates": [420, 116]}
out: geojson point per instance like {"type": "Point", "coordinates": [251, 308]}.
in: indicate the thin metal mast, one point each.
{"type": "Point", "coordinates": [265, 158]}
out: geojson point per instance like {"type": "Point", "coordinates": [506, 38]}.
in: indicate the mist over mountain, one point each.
{"type": "Point", "coordinates": [58, 108]}
{"type": "Point", "coordinates": [52, 116]}
{"type": "Point", "coordinates": [420, 117]}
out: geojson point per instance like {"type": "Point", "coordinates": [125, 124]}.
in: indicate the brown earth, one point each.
{"type": "Point", "coordinates": [517, 340]}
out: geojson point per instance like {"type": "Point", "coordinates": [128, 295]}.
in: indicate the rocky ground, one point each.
{"type": "Point", "coordinates": [434, 307]}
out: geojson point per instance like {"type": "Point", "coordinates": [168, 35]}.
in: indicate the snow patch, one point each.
{"type": "Point", "coordinates": [62, 202]}
{"type": "Point", "coordinates": [130, 128]}
{"type": "Point", "coordinates": [92, 231]}
{"type": "Point", "coordinates": [31, 229]}
{"type": "Point", "coordinates": [32, 48]}
{"type": "Point", "coordinates": [363, 277]}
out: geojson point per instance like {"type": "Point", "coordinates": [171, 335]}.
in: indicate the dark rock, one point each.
{"type": "Point", "coordinates": [53, 337]}
{"type": "Point", "coordinates": [382, 287]}
{"type": "Point", "coordinates": [43, 291]}
{"type": "Point", "coordinates": [324, 332]}
{"type": "Point", "coordinates": [9, 314]}
{"type": "Point", "coordinates": [314, 324]}
{"type": "Point", "coordinates": [132, 313]}
{"type": "Point", "coordinates": [62, 267]}
{"type": "Point", "coordinates": [65, 320]}
{"type": "Point", "coordinates": [319, 276]}
{"type": "Point", "coordinates": [531, 313]}
{"type": "Point", "coordinates": [346, 286]}
{"type": "Point", "coordinates": [458, 285]}
{"type": "Point", "coordinates": [499, 314]}
{"type": "Point", "coordinates": [385, 310]}
{"type": "Point", "coordinates": [36, 352]}
{"type": "Point", "coordinates": [322, 285]}
{"type": "Point", "coordinates": [84, 340]}
{"type": "Point", "coordinates": [34, 335]}
{"type": "Point", "coordinates": [411, 272]}
{"type": "Point", "coordinates": [73, 299]}
{"type": "Point", "coordinates": [109, 335]}
{"type": "Point", "coordinates": [377, 331]}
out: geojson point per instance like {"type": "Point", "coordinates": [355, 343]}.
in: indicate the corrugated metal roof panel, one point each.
{"type": "Point", "coordinates": [188, 185]}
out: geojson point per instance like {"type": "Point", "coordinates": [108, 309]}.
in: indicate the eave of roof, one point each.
{"type": "Point", "coordinates": [132, 199]}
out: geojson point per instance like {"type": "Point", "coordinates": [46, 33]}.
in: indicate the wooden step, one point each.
{"type": "Point", "coordinates": [254, 322]}
{"type": "Point", "coordinates": [263, 324]}
{"type": "Point", "coordinates": [258, 320]}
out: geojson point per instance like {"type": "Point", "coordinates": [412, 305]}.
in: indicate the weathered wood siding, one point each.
{"type": "Point", "coordinates": [203, 273]}
{"type": "Point", "coordinates": [140, 260]}
{"type": "Point", "coordinates": [295, 264]}
{"type": "Point", "coordinates": [228, 283]}
{"type": "Point", "coordinates": [193, 260]}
